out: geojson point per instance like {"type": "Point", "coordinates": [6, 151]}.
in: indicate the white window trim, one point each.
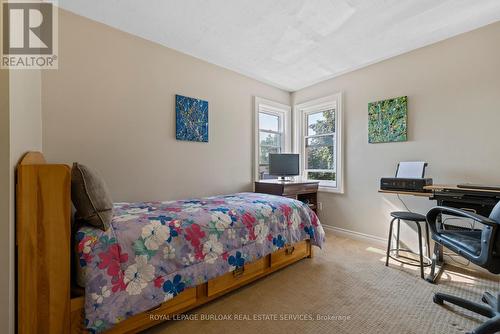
{"type": "Point", "coordinates": [273, 108]}
{"type": "Point", "coordinates": [305, 113]}
{"type": "Point", "coordinates": [300, 111]}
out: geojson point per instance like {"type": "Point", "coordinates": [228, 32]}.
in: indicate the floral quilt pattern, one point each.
{"type": "Point", "coordinates": [155, 250]}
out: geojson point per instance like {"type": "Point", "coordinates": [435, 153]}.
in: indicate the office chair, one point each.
{"type": "Point", "coordinates": [481, 247]}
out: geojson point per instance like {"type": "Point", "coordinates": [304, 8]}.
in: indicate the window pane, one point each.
{"type": "Point", "coordinates": [319, 152]}
{"type": "Point", "coordinates": [321, 176]}
{"type": "Point", "coordinates": [264, 172]}
{"type": "Point", "coordinates": [269, 122]}
{"type": "Point", "coordinates": [269, 139]}
{"type": "Point", "coordinates": [321, 122]}
{"type": "Point", "coordinates": [264, 154]}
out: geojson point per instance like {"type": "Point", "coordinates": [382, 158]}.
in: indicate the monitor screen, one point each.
{"type": "Point", "coordinates": [284, 164]}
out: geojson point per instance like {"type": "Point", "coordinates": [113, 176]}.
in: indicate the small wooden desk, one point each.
{"type": "Point", "coordinates": [306, 192]}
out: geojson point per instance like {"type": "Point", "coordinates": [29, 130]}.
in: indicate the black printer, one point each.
{"type": "Point", "coordinates": [409, 177]}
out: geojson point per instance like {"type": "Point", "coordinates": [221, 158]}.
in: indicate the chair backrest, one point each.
{"type": "Point", "coordinates": [495, 215]}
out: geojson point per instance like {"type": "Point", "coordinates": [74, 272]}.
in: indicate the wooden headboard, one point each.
{"type": "Point", "coordinates": [43, 247]}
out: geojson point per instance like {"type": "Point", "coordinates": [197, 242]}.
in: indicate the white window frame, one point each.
{"type": "Point", "coordinates": [301, 111]}
{"type": "Point", "coordinates": [281, 110]}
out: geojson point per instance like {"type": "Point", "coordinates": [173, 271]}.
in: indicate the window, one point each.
{"type": "Point", "coordinates": [272, 134]}
{"type": "Point", "coordinates": [320, 145]}
{"type": "Point", "coordinates": [318, 141]}
{"type": "Point", "coordinates": [270, 139]}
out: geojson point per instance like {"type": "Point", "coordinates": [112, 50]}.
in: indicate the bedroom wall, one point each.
{"type": "Point", "coordinates": [454, 115]}
{"type": "Point", "coordinates": [4, 199]}
{"type": "Point", "coordinates": [25, 135]}
{"type": "Point", "coordinates": [111, 106]}
{"type": "Point", "coordinates": [20, 131]}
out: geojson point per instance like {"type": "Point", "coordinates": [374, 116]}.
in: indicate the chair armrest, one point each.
{"type": "Point", "coordinates": [436, 211]}
{"type": "Point", "coordinates": [487, 234]}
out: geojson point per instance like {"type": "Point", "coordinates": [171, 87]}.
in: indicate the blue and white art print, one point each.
{"type": "Point", "coordinates": [191, 119]}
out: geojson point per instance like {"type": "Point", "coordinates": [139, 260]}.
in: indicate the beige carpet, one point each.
{"type": "Point", "coordinates": [347, 284]}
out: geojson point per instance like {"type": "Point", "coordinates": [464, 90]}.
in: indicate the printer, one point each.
{"type": "Point", "coordinates": [410, 176]}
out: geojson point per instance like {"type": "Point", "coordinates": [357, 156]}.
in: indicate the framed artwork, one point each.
{"type": "Point", "coordinates": [191, 119]}
{"type": "Point", "coordinates": [387, 120]}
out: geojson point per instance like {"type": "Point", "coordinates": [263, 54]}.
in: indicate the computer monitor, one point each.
{"type": "Point", "coordinates": [284, 164]}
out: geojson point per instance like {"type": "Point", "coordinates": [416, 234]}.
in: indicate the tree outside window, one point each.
{"type": "Point", "coordinates": [320, 146]}
{"type": "Point", "coordinates": [270, 140]}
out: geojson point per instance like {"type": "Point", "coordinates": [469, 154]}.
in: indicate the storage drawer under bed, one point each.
{"type": "Point", "coordinates": [237, 277]}
{"type": "Point", "coordinates": [289, 254]}
{"type": "Point", "coordinates": [177, 305]}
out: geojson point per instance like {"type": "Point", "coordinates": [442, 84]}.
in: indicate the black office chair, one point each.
{"type": "Point", "coordinates": [481, 247]}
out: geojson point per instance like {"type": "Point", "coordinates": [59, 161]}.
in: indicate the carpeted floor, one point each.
{"type": "Point", "coordinates": [348, 287]}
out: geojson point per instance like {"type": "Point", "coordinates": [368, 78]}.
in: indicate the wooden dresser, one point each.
{"type": "Point", "coordinates": [306, 192]}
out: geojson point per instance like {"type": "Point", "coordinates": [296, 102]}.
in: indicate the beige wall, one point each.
{"type": "Point", "coordinates": [4, 200]}
{"type": "Point", "coordinates": [111, 106]}
{"type": "Point", "coordinates": [20, 131]}
{"type": "Point", "coordinates": [25, 135]}
{"type": "Point", "coordinates": [26, 112]}
{"type": "Point", "coordinates": [453, 89]}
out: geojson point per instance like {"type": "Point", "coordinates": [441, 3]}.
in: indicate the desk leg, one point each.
{"type": "Point", "coordinates": [437, 261]}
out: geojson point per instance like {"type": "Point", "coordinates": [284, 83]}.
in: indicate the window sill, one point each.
{"type": "Point", "coordinates": [330, 190]}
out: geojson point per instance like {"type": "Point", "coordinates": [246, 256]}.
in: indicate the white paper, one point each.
{"type": "Point", "coordinates": [411, 169]}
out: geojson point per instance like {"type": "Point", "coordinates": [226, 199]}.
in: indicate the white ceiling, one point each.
{"type": "Point", "coordinates": [291, 44]}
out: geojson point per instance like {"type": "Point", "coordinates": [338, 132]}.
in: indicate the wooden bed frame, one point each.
{"type": "Point", "coordinates": [47, 299]}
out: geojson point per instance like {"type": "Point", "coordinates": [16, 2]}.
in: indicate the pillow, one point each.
{"type": "Point", "coordinates": [90, 197]}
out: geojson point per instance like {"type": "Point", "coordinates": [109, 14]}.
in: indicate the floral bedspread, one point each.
{"type": "Point", "coordinates": [155, 250]}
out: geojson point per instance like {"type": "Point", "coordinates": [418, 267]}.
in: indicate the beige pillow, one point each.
{"type": "Point", "coordinates": [90, 197]}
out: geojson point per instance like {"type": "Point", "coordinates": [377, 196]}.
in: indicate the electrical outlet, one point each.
{"type": "Point", "coordinates": [320, 206]}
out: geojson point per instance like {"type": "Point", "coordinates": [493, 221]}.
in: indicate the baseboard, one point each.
{"type": "Point", "coordinates": [355, 235]}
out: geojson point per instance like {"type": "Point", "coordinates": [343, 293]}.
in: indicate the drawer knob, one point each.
{"type": "Point", "coordinates": [238, 272]}
{"type": "Point", "coordinates": [289, 249]}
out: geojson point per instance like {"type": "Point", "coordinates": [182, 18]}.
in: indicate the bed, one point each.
{"type": "Point", "coordinates": [156, 260]}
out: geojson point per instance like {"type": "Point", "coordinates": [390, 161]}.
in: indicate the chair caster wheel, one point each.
{"type": "Point", "coordinates": [438, 300]}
